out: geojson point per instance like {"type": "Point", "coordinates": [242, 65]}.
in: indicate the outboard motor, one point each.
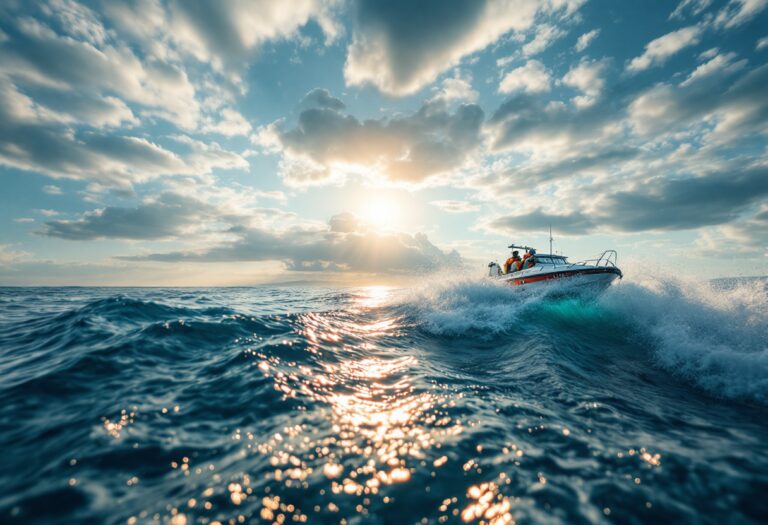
{"type": "Point", "coordinates": [494, 270]}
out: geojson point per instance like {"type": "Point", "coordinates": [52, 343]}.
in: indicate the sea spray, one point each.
{"type": "Point", "coordinates": [716, 338]}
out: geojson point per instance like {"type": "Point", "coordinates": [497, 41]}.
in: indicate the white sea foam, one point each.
{"type": "Point", "coordinates": [448, 305]}
{"type": "Point", "coordinates": [715, 337]}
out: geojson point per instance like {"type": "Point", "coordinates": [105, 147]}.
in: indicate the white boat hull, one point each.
{"type": "Point", "coordinates": [570, 279]}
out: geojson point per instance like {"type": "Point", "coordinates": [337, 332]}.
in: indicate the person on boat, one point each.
{"type": "Point", "coordinates": [514, 263]}
{"type": "Point", "coordinates": [528, 259]}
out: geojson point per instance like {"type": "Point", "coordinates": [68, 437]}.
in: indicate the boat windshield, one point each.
{"type": "Point", "coordinates": [550, 259]}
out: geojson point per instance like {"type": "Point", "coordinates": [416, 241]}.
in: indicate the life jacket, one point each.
{"type": "Point", "coordinates": [528, 261]}
{"type": "Point", "coordinates": [513, 264]}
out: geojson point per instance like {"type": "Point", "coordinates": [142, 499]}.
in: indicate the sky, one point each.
{"type": "Point", "coordinates": [208, 142]}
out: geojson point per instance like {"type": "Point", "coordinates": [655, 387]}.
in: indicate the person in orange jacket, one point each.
{"type": "Point", "coordinates": [514, 263]}
{"type": "Point", "coordinates": [528, 260]}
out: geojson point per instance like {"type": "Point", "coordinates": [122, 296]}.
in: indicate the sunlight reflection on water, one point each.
{"type": "Point", "coordinates": [378, 425]}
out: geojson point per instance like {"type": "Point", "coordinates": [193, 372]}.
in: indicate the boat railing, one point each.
{"type": "Point", "coordinates": [607, 258]}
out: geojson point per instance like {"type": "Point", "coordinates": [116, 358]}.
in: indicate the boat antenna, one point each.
{"type": "Point", "coordinates": [550, 239]}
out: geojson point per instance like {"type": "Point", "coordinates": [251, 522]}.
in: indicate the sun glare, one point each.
{"type": "Point", "coordinates": [381, 213]}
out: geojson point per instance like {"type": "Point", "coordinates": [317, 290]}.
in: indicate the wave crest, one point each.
{"type": "Point", "coordinates": [712, 336]}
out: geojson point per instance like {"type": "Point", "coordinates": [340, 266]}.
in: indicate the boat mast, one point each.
{"type": "Point", "coordinates": [550, 240]}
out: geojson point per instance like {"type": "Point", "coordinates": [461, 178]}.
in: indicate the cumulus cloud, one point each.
{"type": "Point", "coordinates": [657, 205]}
{"type": "Point", "coordinates": [406, 148]}
{"type": "Point", "coordinates": [596, 159]}
{"type": "Point", "coordinates": [457, 87]}
{"type": "Point", "coordinates": [32, 137]}
{"type": "Point", "coordinates": [545, 35]}
{"type": "Point", "coordinates": [732, 111]}
{"type": "Point", "coordinates": [223, 32]}
{"type": "Point", "coordinates": [344, 245]}
{"type": "Point", "coordinates": [532, 77]}
{"type": "Point", "coordinates": [401, 46]}
{"type": "Point", "coordinates": [525, 123]}
{"type": "Point", "coordinates": [68, 58]}
{"type": "Point", "coordinates": [38, 56]}
{"type": "Point", "coordinates": [321, 98]}
{"type": "Point", "coordinates": [659, 50]}
{"type": "Point", "coordinates": [586, 76]}
{"type": "Point", "coordinates": [584, 40]}
{"type": "Point", "coordinates": [229, 122]}
{"type": "Point", "coordinates": [167, 216]}
{"type": "Point", "coordinates": [725, 63]}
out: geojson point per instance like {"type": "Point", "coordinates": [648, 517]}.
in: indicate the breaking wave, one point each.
{"type": "Point", "coordinates": [712, 334]}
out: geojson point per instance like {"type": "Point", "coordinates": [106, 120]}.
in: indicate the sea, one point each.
{"type": "Point", "coordinates": [454, 400]}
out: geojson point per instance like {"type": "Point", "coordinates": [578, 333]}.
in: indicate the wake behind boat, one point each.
{"type": "Point", "coordinates": [535, 270]}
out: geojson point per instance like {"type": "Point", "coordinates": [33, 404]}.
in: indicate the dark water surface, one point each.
{"type": "Point", "coordinates": [456, 403]}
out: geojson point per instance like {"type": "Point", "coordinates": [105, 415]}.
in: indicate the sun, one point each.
{"type": "Point", "coordinates": [381, 213]}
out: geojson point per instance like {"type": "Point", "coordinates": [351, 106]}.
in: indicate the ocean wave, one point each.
{"type": "Point", "coordinates": [713, 336]}
{"type": "Point", "coordinates": [377, 402]}
{"type": "Point", "coordinates": [717, 338]}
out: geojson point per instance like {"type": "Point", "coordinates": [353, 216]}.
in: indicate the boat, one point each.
{"type": "Point", "coordinates": [550, 269]}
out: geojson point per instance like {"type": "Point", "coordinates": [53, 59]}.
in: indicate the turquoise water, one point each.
{"type": "Point", "coordinates": [459, 402]}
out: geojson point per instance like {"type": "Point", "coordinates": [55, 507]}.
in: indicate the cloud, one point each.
{"type": "Point", "coordinates": [400, 47]}
{"type": "Point", "coordinates": [229, 123]}
{"type": "Point", "coordinates": [10, 256]}
{"type": "Point", "coordinates": [135, 70]}
{"type": "Point", "coordinates": [522, 178]}
{"type": "Point", "coordinates": [343, 246]}
{"type": "Point", "coordinates": [457, 87]}
{"type": "Point", "coordinates": [538, 221]}
{"type": "Point", "coordinates": [36, 55]}
{"type": "Point", "coordinates": [731, 111]}
{"type": "Point", "coordinates": [586, 76]}
{"type": "Point", "coordinates": [679, 204]}
{"type": "Point", "coordinates": [747, 237]}
{"type": "Point", "coordinates": [657, 204]}
{"type": "Point", "coordinates": [692, 7]}
{"type": "Point", "coordinates": [344, 223]}
{"type": "Point", "coordinates": [524, 123]}
{"type": "Point", "coordinates": [545, 35]}
{"type": "Point", "coordinates": [659, 50]}
{"type": "Point", "coordinates": [738, 12]}
{"type": "Point", "coordinates": [762, 43]}
{"type": "Point", "coordinates": [32, 137]}
{"type": "Point", "coordinates": [406, 148]}
{"type": "Point", "coordinates": [584, 40]}
{"type": "Point", "coordinates": [223, 33]}
{"type": "Point", "coordinates": [167, 216]}
{"type": "Point", "coordinates": [50, 189]}
{"type": "Point", "coordinates": [452, 206]}
{"type": "Point", "coordinates": [321, 98]}
{"type": "Point", "coordinates": [725, 63]}
{"type": "Point", "coordinates": [533, 77]}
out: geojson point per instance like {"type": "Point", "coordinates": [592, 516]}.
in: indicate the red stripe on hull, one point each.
{"type": "Point", "coordinates": [560, 275]}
